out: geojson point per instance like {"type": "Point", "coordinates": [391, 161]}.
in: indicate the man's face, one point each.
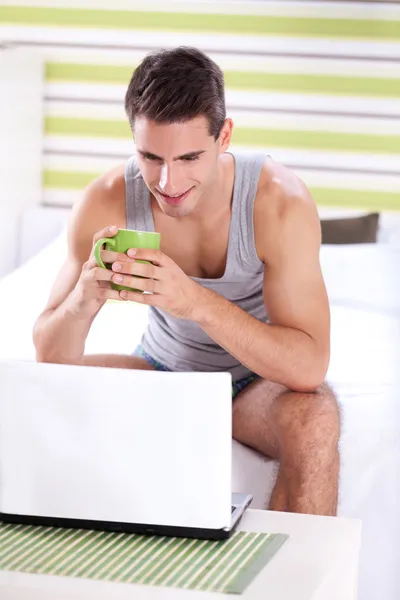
{"type": "Point", "coordinates": [178, 161]}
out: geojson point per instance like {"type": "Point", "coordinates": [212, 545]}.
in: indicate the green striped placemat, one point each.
{"type": "Point", "coordinates": [226, 566]}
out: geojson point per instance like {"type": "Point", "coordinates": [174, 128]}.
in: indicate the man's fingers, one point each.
{"type": "Point", "coordinates": [108, 294]}
{"type": "Point", "coordinates": [98, 274]}
{"type": "Point", "coordinates": [149, 299]}
{"type": "Point", "coordinates": [109, 231]}
{"type": "Point", "coordinates": [137, 268]}
{"type": "Point", "coordinates": [146, 285]}
{"type": "Point", "coordinates": [89, 264]}
{"type": "Point", "coordinates": [155, 256]}
{"type": "Point", "coordinates": [108, 256]}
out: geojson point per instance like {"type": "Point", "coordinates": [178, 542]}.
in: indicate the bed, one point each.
{"type": "Point", "coordinates": [364, 289]}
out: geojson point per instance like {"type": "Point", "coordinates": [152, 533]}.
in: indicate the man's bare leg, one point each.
{"type": "Point", "coordinates": [279, 499]}
{"type": "Point", "coordinates": [301, 430]}
{"type": "Point", "coordinates": [119, 361]}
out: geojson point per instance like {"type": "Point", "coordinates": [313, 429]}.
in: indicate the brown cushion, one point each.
{"type": "Point", "coordinates": [350, 230]}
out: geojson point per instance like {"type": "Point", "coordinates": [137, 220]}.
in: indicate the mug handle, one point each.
{"type": "Point", "coordinates": [97, 249]}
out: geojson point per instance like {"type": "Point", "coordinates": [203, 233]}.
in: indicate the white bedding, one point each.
{"type": "Point", "coordinates": [363, 285]}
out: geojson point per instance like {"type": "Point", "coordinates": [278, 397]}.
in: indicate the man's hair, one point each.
{"type": "Point", "coordinates": [175, 86]}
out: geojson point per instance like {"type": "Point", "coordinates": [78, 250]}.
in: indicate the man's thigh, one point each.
{"type": "Point", "coordinates": [118, 361]}
{"type": "Point", "coordinates": [264, 410]}
{"type": "Point", "coordinates": [251, 421]}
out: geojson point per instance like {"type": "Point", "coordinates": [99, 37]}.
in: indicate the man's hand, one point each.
{"type": "Point", "coordinates": [93, 287]}
{"type": "Point", "coordinates": [170, 288]}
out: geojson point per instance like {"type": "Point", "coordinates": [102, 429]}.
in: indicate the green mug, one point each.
{"type": "Point", "coordinates": [121, 242]}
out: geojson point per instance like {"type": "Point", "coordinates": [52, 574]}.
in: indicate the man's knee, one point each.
{"type": "Point", "coordinates": [325, 419]}
{"type": "Point", "coordinates": [311, 421]}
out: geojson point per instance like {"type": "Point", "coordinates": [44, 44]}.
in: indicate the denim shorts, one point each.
{"type": "Point", "coordinates": [237, 386]}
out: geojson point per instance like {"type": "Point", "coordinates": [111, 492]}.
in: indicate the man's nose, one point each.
{"type": "Point", "coordinates": [168, 180]}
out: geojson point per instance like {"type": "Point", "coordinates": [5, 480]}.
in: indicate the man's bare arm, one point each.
{"type": "Point", "coordinates": [294, 348]}
{"type": "Point", "coordinates": [61, 330]}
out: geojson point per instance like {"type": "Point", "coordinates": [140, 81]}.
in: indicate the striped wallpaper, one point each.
{"type": "Point", "coordinates": [315, 84]}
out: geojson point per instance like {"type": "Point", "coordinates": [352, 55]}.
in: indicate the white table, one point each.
{"type": "Point", "coordinates": [319, 561]}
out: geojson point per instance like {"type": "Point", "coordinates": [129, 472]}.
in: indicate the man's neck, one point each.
{"type": "Point", "coordinates": [217, 199]}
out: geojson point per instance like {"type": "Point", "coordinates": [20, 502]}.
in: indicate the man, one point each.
{"type": "Point", "coordinates": [236, 286]}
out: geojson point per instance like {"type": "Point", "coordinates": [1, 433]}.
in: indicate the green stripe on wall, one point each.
{"type": "Point", "coordinates": [375, 200]}
{"type": "Point", "coordinates": [67, 180]}
{"type": "Point", "coordinates": [291, 82]}
{"type": "Point", "coordinates": [370, 199]}
{"type": "Point", "coordinates": [317, 140]}
{"type": "Point", "coordinates": [87, 127]}
{"type": "Point", "coordinates": [245, 136]}
{"type": "Point", "coordinates": [189, 22]}
{"type": "Point", "coordinates": [81, 73]}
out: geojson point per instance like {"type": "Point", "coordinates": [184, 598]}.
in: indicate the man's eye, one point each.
{"type": "Point", "coordinates": [191, 158]}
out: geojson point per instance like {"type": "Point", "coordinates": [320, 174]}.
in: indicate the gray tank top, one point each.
{"type": "Point", "coordinates": [182, 345]}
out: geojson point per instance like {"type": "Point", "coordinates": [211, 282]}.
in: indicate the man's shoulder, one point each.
{"type": "Point", "coordinates": [281, 189]}
{"type": "Point", "coordinates": [280, 192]}
{"type": "Point", "coordinates": [282, 198]}
{"type": "Point", "coordinates": [102, 204]}
{"type": "Point", "coordinates": [103, 198]}
{"type": "Point", "coordinates": [107, 186]}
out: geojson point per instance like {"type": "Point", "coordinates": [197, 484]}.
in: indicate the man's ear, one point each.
{"type": "Point", "coordinates": [225, 135]}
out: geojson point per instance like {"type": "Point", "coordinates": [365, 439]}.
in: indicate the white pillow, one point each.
{"type": "Point", "coordinates": [363, 275]}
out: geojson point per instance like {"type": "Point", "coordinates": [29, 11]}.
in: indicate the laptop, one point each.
{"type": "Point", "coordinates": [119, 450]}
